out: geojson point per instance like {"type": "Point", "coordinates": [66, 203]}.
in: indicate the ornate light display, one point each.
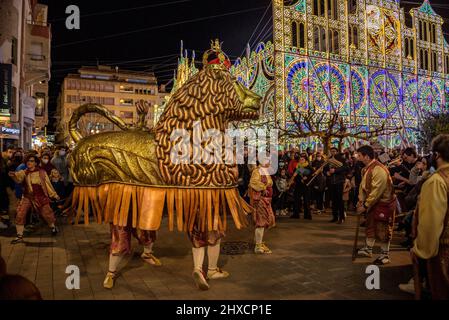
{"type": "Point", "coordinates": [358, 57]}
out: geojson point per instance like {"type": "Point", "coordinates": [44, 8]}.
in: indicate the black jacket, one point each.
{"type": "Point", "coordinates": [339, 176]}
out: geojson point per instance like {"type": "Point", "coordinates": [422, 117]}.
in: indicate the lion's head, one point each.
{"type": "Point", "coordinates": [214, 98]}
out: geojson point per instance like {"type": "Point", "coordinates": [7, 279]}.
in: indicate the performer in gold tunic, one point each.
{"type": "Point", "coordinates": [430, 253]}
{"type": "Point", "coordinates": [261, 193]}
{"type": "Point", "coordinates": [377, 199]}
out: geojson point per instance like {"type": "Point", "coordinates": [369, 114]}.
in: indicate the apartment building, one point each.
{"type": "Point", "coordinates": [116, 89]}
{"type": "Point", "coordinates": [25, 42]}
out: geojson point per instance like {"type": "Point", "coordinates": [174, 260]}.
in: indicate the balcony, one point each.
{"type": "Point", "coordinates": [37, 49]}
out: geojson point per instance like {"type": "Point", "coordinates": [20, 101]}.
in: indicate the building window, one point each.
{"type": "Point", "coordinates": [109, 101]}
{"type": "Point", "coordinates": [434, 33]}
{"type": "Point", "coordinates": [434, 62]}
{"type": "Point", "coordinates": [318, 8]}
{"type": "Point", "coordinates": [40, 104]}
{"type": "Point", "coordinates": [354, 36]}
{"type": "Point", "coordinates": [426, 59]}
{"type": "Point", "coordinates": [319, 39]}
{"type": "Point", "coordinates": [126, 102]}
{"type": "Point", "coordinates": [316, 39]}
{"type": "Point", "coordinates": [332, 9]}
{"type": "Point", "coordinates": [446, 64]}
{"type": "Point", "coordinates": [127, 114]}
{"type": "Point", "coordinates": [36, 51]}
{"type": "Point", "coordinates": [425, 30]}
{"type": "Point", "coordinates": [334, 41]}
{"type": "Point", "coordinates": [315, 10]}
{"type": "Point", "coordinates": [298, 38]}
{"type": "Point", "coordinates": [302, 36]}
{"type": "Point", "coordinates": [352, 6]}
{"type": "Point", "coordinates": [323, 41]}
{"type": "Point", "coordinates": [126, 89]}
{"type": "Point", "coordinates": [14, 50]}
{"type": "Point", "coordinates": [409, 48]}
{"type": "Point", "coordinates": [294, 34]}
{"type": "Point", "coordinates": [420, 29]}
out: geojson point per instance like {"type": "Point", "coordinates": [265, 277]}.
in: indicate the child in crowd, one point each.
{"type": "Point", "coordinates": [58, 184]}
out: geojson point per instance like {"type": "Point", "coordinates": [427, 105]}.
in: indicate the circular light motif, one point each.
{"type": "Point", "coordinates": [383, 90]}
{"type": "Point", "coordinates": [411, 98]}
{"type": "Point", "coordinates": [297, 85]}
{"type": "Point", "coordinates": [429, 96]}
{"type": "Point", "coordinates": [328, 83]}
{"type": "Point", "coordinates": [358, 90]}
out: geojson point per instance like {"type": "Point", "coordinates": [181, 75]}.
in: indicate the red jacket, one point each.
{"type": "Point", "coordinates": [292, 166]}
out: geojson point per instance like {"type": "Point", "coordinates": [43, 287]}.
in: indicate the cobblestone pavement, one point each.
{"type": "Point", "coordinates": [310, 260]}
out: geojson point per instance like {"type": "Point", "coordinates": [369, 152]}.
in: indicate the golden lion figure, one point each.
{"type": "Point", "coordinates": [127, 178]}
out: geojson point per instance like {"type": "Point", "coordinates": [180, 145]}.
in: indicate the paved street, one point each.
{"type": "Point", "coordinates": [310, 260]}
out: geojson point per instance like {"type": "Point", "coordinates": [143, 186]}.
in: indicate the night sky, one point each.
{"type": "Point", "coordinates": [101, 39]}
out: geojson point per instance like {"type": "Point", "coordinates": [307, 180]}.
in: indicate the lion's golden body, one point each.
{"type": "Point", "coordinates": [128, 177]}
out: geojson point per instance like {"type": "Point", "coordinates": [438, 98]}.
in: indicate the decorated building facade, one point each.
{"type": "Point", "coordinates": [368, 60]}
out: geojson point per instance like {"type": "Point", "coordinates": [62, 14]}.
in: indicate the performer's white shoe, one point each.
{"type": "Point", "coordinates": [383, 259]}
{"type": "Point", "coordinates": [200, 280]}
{"type": "Point", "coordinates": [261, 248]}
{"type": "Point", "coordinates": [109, 281]}
{"type": "Point", "coordinates": [151, 259]}
{"type": "Point", "coordinates": [365, 252]}
{"type": "Point", "coordinates": [408, 287]}
{"type": "Point", "coordinates": [217, 274]}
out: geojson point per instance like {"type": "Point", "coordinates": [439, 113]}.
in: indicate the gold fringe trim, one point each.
{"type": "Point", "coordinates": [144, 206]}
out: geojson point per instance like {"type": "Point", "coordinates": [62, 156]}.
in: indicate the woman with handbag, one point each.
{"type": "Point", "coordinates": [261, 193]}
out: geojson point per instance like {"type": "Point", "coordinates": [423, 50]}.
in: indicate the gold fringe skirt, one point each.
{"type": "Point", "coordinates": [144, 206]}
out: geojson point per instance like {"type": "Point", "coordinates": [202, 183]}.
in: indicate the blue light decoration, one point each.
{"type": "Point", "coordinates": [427, 8]}
{"type": "Point", "coordinates": [373, 81]}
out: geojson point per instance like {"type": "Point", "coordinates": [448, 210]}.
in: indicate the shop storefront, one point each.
{"type": "Point", "coordinates": [9, 136]}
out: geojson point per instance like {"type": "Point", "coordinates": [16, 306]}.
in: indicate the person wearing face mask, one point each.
{"type": "Point", "coordinates": [430, 253]}
{"type": "Point", "coordinates": [46, 164]}
{"type": "Point", "coordinates": [59, 161]}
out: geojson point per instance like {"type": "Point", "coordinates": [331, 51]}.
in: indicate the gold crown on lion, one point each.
{"type": "Point", "coordinates": [215, 58]}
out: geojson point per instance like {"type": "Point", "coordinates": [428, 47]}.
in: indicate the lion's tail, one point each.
{"type": "Point", "coordinates": [92, 108]}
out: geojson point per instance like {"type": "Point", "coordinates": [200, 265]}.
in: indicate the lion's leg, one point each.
{"type": "Point", "coordinates": [120, 246]}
